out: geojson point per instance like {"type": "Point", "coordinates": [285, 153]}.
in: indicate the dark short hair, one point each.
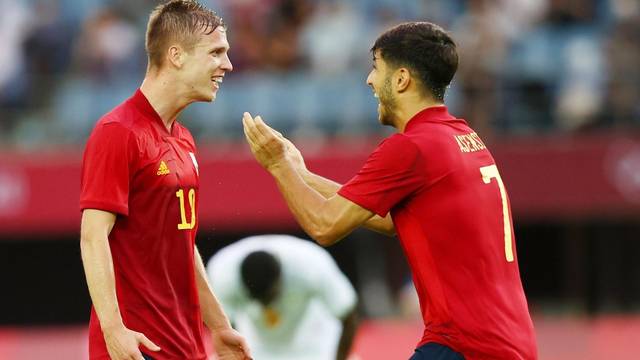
{"type": "Point", "coordinates": [425, 49]}
{"type": "Point", "coordinates": [179, 21]}
{"type": "Point", "coordinates": [260, 270]}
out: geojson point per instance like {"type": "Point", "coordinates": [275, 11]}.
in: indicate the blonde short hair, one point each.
{"type": "Point", "coordinates": [178, 21]}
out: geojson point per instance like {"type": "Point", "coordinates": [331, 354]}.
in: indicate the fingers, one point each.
{"type": "Point", "coordinates": [248, 127]}
{"type": "Point", "coordinates": [147, 343]}
{"type": "Point", "coordinates": [278, 133]}
{"type": "Point", "coordinates": [262, 128]}
{"type": "Point", "coordinates": [253, 129]}
{"type": "Point", "coordinates": [258, 129]}
{"type": "Point", "coordinates": [257, 132]}
{"type": "Point", "coordinates": [244, 347]}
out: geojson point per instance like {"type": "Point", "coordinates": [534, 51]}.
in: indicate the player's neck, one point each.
{"type": "Point", "coordinates": [161, 94]}
{"type": "Point", "coordinates": [408, 109]}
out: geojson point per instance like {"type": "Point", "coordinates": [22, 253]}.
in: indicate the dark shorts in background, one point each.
{"type": "Point", "coordinates": [433, 351]}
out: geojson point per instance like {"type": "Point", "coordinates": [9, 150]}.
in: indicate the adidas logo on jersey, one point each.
{"type": "Point", "coordinates": [163, 169]}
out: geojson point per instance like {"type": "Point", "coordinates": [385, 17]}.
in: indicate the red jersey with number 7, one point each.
{"type": "Point", "coordinates": [134, 167]}
{"type": "Point", "coordinates": [452, 216]}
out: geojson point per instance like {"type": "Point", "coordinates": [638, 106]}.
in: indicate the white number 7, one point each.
{"type": "Point", "coordinates": [488, 173]}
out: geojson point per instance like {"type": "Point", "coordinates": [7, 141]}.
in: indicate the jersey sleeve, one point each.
{"type": "Point", "coordinates": [107, 167]}
{"type": "Point", "coordinates": [388, 176]}
{"type": "Point", "coordinates": [332, 286]}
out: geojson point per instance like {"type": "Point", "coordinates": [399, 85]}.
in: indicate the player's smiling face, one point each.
{"type": "Point", "coordinates": [380, 81]}
{"type": "Point", "coordinates": [206, 64]}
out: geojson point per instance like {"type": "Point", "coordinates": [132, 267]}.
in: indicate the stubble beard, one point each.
{"type": "Point", "coordinates": [387, 104]}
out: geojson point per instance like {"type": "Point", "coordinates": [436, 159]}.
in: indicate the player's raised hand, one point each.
{"type": "Point", "coordinates": [230, 345]}
{"type": "Point", "coordinates": [294, 155]}
{"type": "Point", "coordinates": [267, 145]}
{"type": "Point", "coordinates": [123, 343]}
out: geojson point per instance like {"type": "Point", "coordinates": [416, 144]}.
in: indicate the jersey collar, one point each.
{"type": "Point", "coordinates": [143, 104]}
{"type": "Point", "coordinates": [430, 114]}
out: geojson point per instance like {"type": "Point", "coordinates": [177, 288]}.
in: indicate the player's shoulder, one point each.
{"type": "Point", "coordinates": [397, 139]}
{"type": "Point", "coordinates": [397, 150]}
{"type": "Point", "coordinates": [124, 116]}
{"type": "Point", "coordinates": [400, 143]}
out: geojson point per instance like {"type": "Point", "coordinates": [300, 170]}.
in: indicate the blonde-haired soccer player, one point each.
{"type": "Point", "coordinates": [139, 196]}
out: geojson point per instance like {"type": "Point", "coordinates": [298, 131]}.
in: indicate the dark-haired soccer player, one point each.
{"type": "Point", "coordinates": [287, 296]}
{"type": "Point", "coordinates": [436, 185]}
{"type": "Point", "coordinates": [139, 199]}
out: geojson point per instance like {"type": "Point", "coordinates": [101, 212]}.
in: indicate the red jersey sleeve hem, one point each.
{"type": "Point", "coordinates": [361, 201]}
{"type": "Point", "coordinates": [104, 206]}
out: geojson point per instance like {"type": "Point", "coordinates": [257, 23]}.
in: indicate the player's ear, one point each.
{"type": "Point", "coordinates": [402, 79]}
{"type": "Point", "coordinates": [175, 55]}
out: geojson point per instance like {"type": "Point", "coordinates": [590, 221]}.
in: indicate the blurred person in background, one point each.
{"type": "Point", "coordinates": [436, 184]}
{"type": "Point", "coordinates": [483, 33]}
{"type": "Point", "coordinates": [15, 24]}
{"type": "Point", "coordinates": [621, 108]}
{"type": "Point", "coordinates": [48, 48]}
{"type": "Point", "coordinates": [287, 296]}
{"type": "Point", "coordinates": [139, 196]}
{"type": "Point", "coordinates": [107, 46]}
{"type": "Point", "coordinates": [552, 73]}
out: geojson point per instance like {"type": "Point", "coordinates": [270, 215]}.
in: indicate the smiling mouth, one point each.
{"type": "Point", "coordinates": [216, 80]}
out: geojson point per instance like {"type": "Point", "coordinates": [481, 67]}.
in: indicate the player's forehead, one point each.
{"type": "Point", "coordinates": [217, 39]}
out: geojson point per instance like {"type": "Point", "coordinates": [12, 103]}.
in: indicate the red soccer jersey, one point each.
{"type": "Point", "coordinates": [451, 214]}
{"type": "Point", "coordinates": [134, 167]}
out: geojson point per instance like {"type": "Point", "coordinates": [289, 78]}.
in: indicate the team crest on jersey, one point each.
{"type": "Point", "coordinates": [195, 162]}
{"type": "Point", "coordinates": [163, 169]}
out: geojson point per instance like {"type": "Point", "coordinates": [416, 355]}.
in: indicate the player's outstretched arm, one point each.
{"type": "Point", "coordinates": [122, 343]}
{"type": "Point", "coordinates": [228, 343]}
{"type": "Point", "coordinates": [325, 220]}
{"type": "Point", "coordinates": [328, 188]}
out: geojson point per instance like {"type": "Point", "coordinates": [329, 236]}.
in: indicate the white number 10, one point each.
{"type": "Point", "coordinates": [488, 173]}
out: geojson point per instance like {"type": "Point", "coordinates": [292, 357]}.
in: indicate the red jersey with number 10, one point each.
{"type": "Point", "coordinates": [451, 213]}
{"type": "Point", "coordinates": [134, 167]}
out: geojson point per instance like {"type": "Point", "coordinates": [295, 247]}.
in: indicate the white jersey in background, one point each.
{"type": "Point", "coordinates": [303, 323]}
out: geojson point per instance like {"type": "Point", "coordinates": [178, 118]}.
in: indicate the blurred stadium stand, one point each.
{"type": "Point", "coordinates": [552, 85]}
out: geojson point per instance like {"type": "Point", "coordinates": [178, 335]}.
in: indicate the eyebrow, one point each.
{"type": "Point", "coordinates": [218, 48]}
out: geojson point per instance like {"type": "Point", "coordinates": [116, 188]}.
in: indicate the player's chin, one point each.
{"type": "Point", "coordinates": [213, 94]}
{"type": "Point", "coordinates": [209, 96]}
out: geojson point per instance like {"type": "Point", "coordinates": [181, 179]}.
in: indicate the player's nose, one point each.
{"type": "Point", "coordinates": [226, 63]}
